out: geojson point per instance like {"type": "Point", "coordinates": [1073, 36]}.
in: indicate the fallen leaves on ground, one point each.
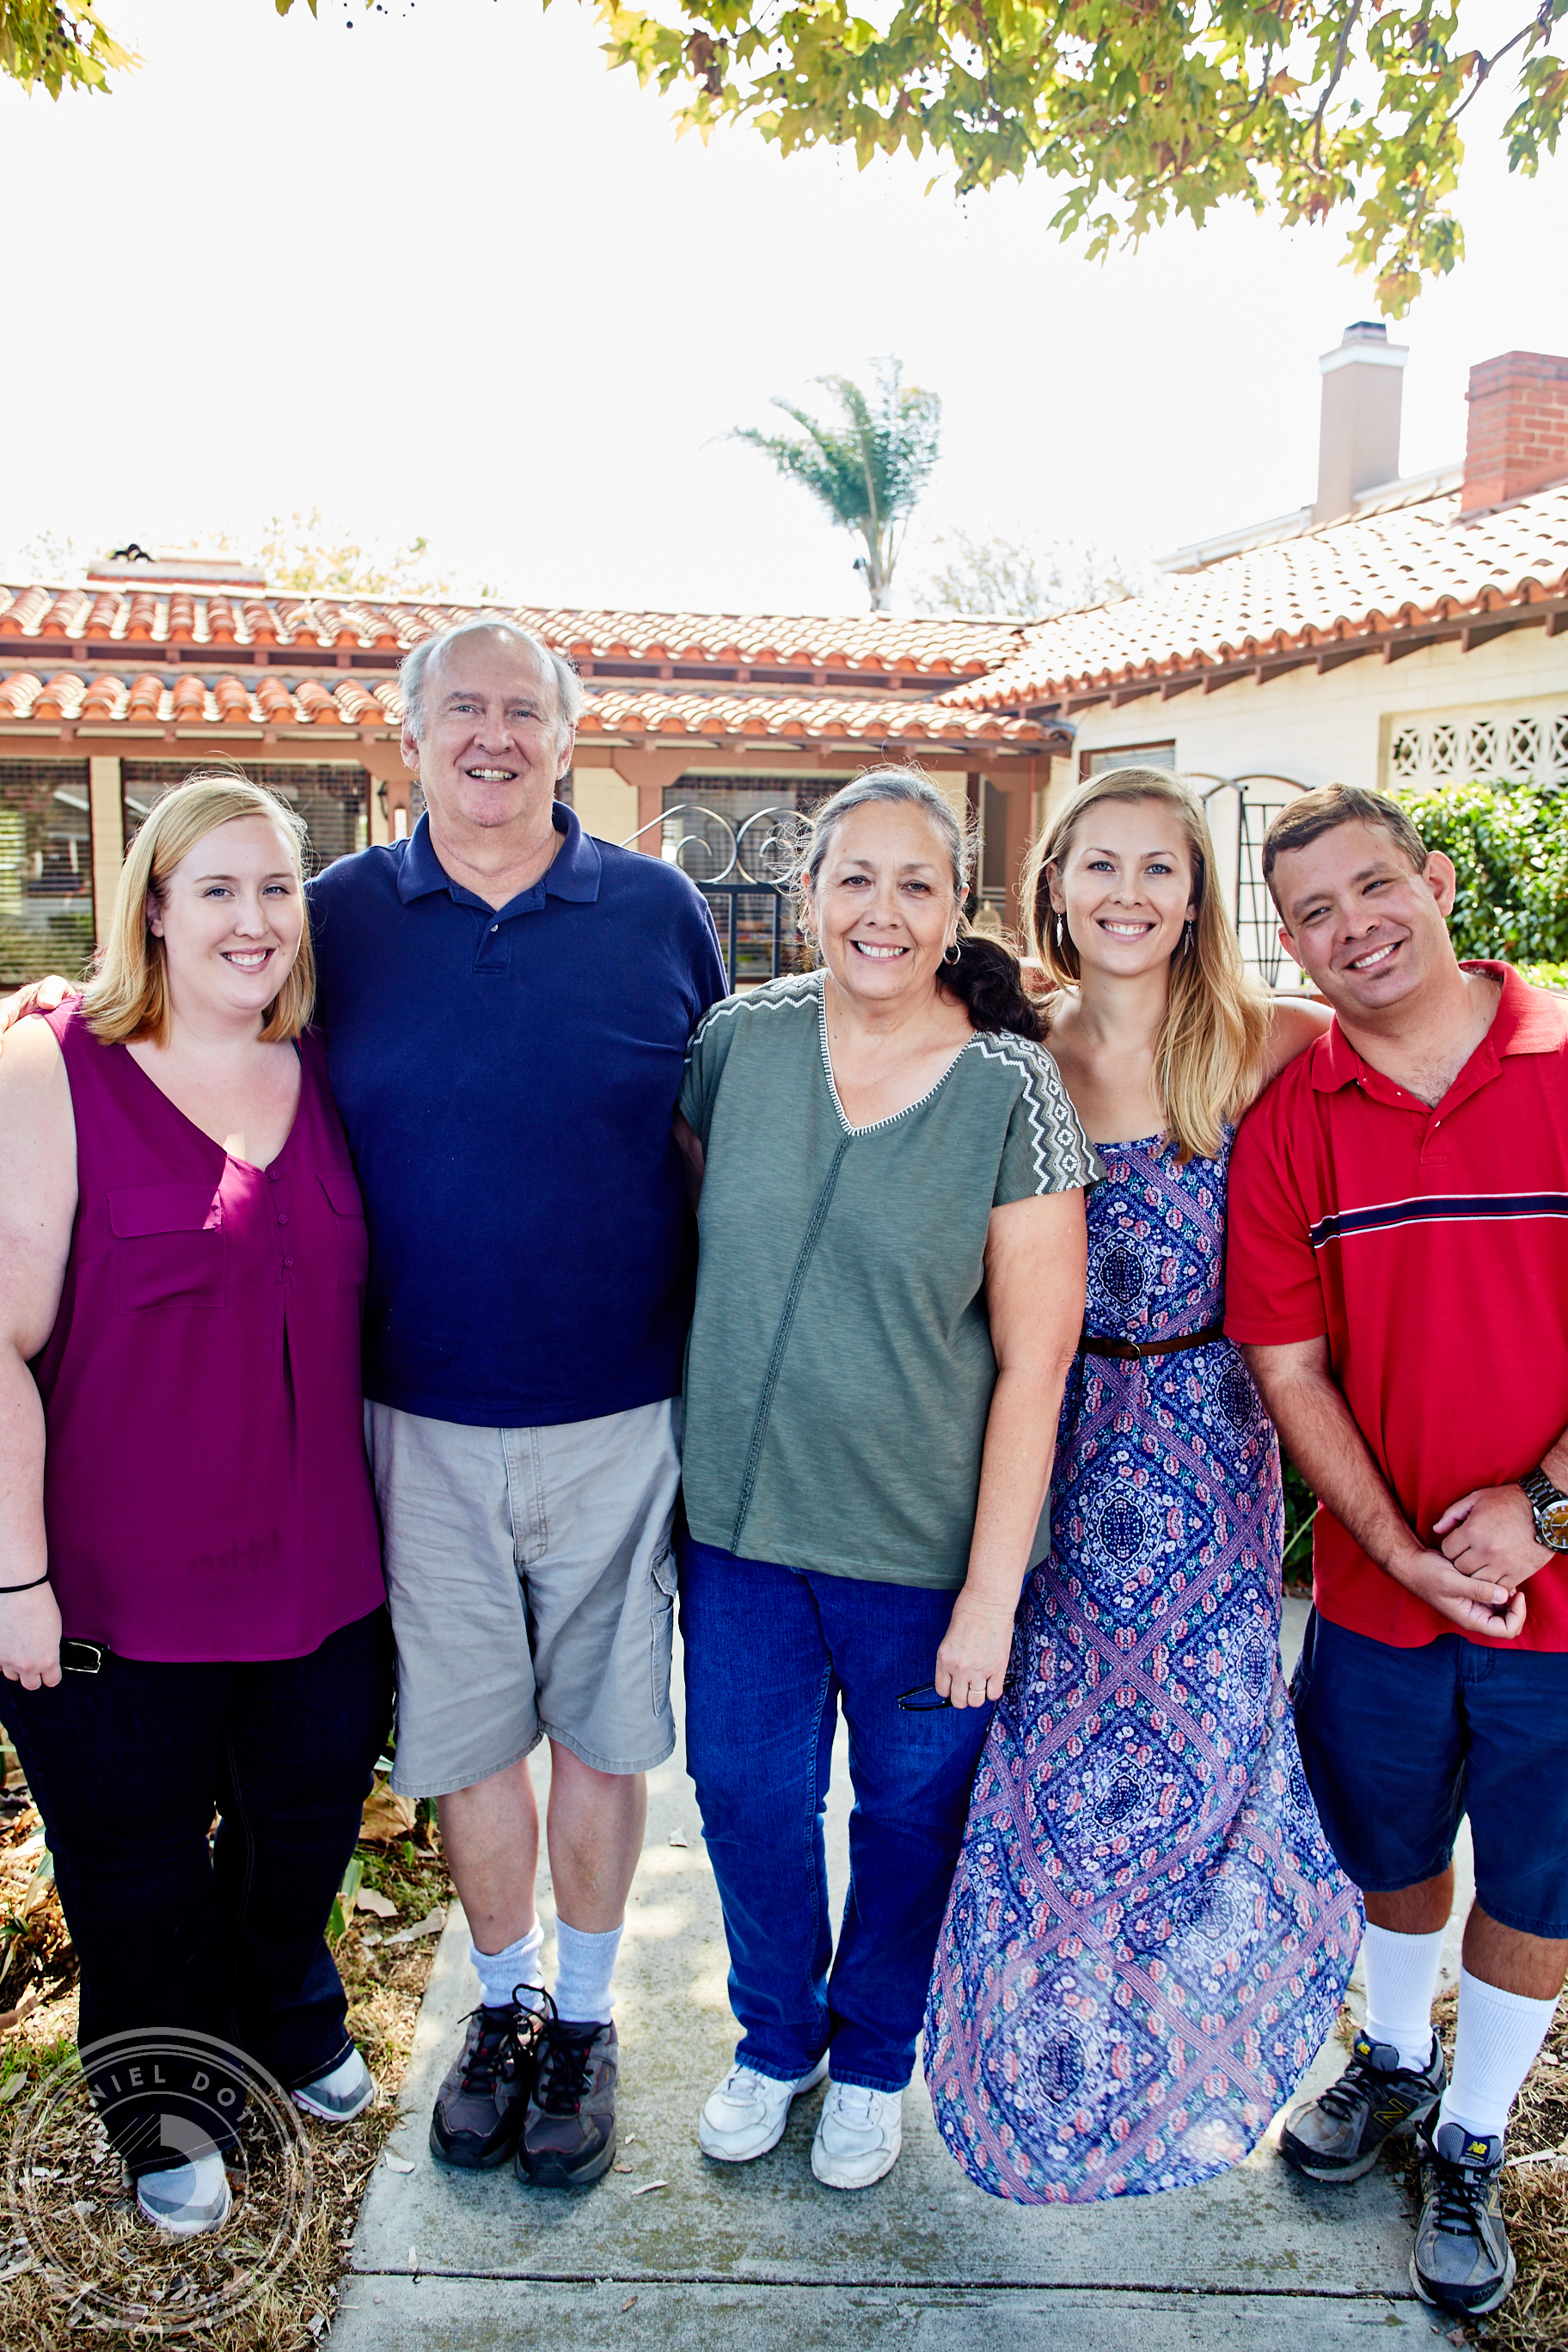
{"type": "Point", "coordinates": [385, 1987]}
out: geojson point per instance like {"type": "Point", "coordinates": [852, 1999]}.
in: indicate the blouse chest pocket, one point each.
{"type": "Point", "coordinates": [342, 1190]}
{"type": "Point", "coordinates": [171, 1246]}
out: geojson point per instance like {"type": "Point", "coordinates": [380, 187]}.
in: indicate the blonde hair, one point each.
{"type": "Point", "coordinates": [128, 998]}
{"type": "Point", "coordinates": [1209, 1057]}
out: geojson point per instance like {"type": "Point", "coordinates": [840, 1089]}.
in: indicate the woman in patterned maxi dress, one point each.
{"type": "Point", "coordinates": [1147, 1939]}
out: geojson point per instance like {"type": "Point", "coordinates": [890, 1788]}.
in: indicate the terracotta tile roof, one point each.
{"type": "Point", "coordinates": [1351, 583]}
{"type": "Point", "coordinates": [859, 718]}
{"type": "Point", "coordinates": [275, 698]}
{"type": "Point", "coordinates": [869, 645]}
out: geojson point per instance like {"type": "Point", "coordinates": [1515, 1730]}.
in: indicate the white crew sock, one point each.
{"type": "Point", "coordinates": [1494, 2050]}
{"type": "Point", "coordinates": [584, 1965]}
{"type": "Point", "coordinates": [1401, 1978]}
{"type": "Point", "coordinates": [501, 1972]}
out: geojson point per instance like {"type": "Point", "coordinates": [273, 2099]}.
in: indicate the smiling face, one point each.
{"type": "Point", "coordinates": [231, 919]}
{"type": "Point", "coordinates": [1367, 928]}
{"type": "Point", "coordinates": [883, 905]}
{"type": "Point", "coordinates": [491, 746]}
{"type": "Point", "coordinates": [1126, 887]}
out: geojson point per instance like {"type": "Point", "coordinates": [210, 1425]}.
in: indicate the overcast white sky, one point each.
{"type": "Point", "coordinates": [445, 274]}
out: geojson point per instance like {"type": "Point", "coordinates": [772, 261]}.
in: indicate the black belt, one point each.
{"type": "Point", "coordinates": [1090, 1345]}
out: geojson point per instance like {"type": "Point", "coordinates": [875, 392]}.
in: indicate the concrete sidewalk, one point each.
{"type": "Point", "coordinates": [715, 2258]}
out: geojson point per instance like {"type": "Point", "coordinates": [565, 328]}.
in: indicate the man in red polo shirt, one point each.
{"type": "Point", "coordinates": [1398, 1281]}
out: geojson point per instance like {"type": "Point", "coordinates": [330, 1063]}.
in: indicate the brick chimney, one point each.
{"type": "Point", "coordinates": [1358, 439]}
{"type": "Point", "coordinates": [1518, 439]}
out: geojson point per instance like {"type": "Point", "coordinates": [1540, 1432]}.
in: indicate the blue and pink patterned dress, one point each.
{"type": "Point", "coordinates": [1148, 1938]}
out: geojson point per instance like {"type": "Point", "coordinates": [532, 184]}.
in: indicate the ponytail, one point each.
{"type": "Point", "coordinates": [988, 980]}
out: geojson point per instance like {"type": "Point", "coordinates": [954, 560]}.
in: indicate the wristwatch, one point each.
{"type": "Point", "coordinates": [1549, 1508]}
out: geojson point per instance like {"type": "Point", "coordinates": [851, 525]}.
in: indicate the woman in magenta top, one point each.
{"type": "Point", "coordinates": [192, 1613]}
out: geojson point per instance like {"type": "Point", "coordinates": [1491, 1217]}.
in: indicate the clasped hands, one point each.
{"type": "Point", "coordinates": [1489, 1552]}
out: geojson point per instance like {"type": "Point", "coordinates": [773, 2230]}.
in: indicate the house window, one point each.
{"type": "Point", "coordinates": [1482, 747]}
{"type": "Point", "coordinates": [46, 868]}
{"type": "Point", "coordinates": [332, 799]}
{"type": "Point", "coordinates": [1125, 755]}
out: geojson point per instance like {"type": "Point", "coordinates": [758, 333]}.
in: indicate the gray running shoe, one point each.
{"type": "Point", "coordinates": [341, 2095]}
{"type": "Point", "coordinates": [1463, 2261]}
{"type": "Point", "coordinates": [483, 2096]}
{"type": "Point", "coordinates": [189, 2198]}
{"type": "Point", "coordinates": [569, 2136]}
{"type": "Point", "coordinates": [1337, 2136]}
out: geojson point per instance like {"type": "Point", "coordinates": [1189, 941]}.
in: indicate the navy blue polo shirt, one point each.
{"type": "Point", "coordinates": [507, 1077]}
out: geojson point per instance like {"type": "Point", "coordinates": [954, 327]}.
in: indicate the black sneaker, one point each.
{"type": "Point", "coordinates": [1337, 2136]}
{"type": "Point", "coordinates": [1463, 2261]}
{"type": "Point", "coordinates": [569, 2134]}
{"type": "Point", "coordinates": [482, 2099]}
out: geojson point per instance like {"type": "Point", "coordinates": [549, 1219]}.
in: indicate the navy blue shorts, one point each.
{"type": "Point", "coordinates": [1399, 1745]}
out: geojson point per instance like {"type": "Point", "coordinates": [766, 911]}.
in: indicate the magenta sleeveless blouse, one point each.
{"type": "Point", "coordinates": [205, 1492]}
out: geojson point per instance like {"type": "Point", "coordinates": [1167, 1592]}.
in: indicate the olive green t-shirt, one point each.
{"type": "Point", "coordinates": [839, 1370]}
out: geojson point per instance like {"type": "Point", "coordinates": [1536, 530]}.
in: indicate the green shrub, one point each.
{"type": "Point", "coordinates": [1510, 849]}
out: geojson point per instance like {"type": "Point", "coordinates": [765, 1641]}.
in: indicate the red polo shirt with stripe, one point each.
{"type": "Point", "coordinates": [1429, 1244]}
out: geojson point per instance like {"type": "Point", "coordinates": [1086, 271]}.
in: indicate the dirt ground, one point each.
{"type": "Point", "coordinates": [108, 2242]}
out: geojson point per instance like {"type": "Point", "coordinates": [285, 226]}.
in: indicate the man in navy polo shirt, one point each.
{"type": "Point", "coordinates": [1397, 1267]}
{"type": "Point", "coordinates": [507, 1003]}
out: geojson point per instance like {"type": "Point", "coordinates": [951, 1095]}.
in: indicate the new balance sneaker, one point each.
{"type": "Point", "coordinates": [569, 2131]}
{"type": "Point", "coordinates": [483, 2096]}
{"type": "Point", "coordinates": [338, 2097]}
{"type": "Point", "coordinates": [747, 2114]}
{"type": "Point", "coordinates": [858, 2135]}
{"type": "Point", "coordinates": [1337, 2136]}
{"type": "Point", "coordinates": [188, 2199]}
{"type": "Point", "coordinates": [1462, 2261]}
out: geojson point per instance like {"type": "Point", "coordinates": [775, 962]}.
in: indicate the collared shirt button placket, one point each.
{"type": "Point", "coordinates": [285, 1265]}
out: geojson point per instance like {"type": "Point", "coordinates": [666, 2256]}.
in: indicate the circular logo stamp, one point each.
{"type": "Point", "coordinates": [166, 2098]}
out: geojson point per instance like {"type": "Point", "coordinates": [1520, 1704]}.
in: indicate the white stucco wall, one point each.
{"type": "Point", "coordinates": [1333, 729]}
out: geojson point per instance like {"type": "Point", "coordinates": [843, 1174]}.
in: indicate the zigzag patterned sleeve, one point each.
{"type": "Point", "coordinates": [1046, 1149]}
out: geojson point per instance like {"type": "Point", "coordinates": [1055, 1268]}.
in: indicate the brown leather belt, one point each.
{"type": "Point", "coordinates": [1090, 1345]}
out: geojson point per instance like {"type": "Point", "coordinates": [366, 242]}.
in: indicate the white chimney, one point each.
{"type": "Point", "coordinates": [1358, 439]}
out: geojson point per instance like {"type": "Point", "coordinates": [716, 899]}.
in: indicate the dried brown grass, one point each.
{"type": "Point", "coordinates": [1534, 2200]}
{"type": "Point", "coordinates": [169, 2278]}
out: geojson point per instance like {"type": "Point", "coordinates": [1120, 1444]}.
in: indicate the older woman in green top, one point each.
{"type": "Point", "coordinates": [891, 1290]}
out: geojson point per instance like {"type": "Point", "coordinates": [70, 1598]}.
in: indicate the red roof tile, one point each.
{"type": "Point", "coordinates": [869, 645]}
{"type": "Point", "coordinates": [1354, 580]}
{"type": "Point", "coordinates": [276, 699]}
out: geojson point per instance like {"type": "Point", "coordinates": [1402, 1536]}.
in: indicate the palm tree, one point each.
{"type": "Point", "coordinates": [870, 469]}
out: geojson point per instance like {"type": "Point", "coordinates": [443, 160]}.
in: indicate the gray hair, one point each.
{"type": "Point", "coordinates": [905, 787]}
{"type": "Point", "coordinates": [415, 668]}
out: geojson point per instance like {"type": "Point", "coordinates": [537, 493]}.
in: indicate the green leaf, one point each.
{"type": "Point", "coordinates": [343, 1900]}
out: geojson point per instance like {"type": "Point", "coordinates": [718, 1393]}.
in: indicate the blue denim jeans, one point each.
{"type": "Point", "coordinates": [127, 1766]}
{"type": "Point", "coordinates": [770, 1654]}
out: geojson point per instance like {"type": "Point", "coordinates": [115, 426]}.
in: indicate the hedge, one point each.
{"type": "Point", "coordinates": [1511, 852]}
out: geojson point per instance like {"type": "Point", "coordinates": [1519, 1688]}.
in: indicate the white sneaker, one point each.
{"type": "Point", "coordinates": [187, 2199]}
{"type": "Point", "coordinates": [747, 2114]}
{"type": "Point", "coordinates": [858, 2135]}
{"type": "Point", "coordinates": [340, 2095]}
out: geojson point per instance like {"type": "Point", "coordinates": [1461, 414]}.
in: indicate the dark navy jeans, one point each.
{"type": "Point", "coordinates": [771, 1653]}
{"type": "Point", "coordinates": [128, 1766]}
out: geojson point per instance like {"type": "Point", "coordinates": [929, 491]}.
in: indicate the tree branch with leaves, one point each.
{"type": "Point", "coordinates": [868, 469]}
{"type": "Point", "coordinates": [47, 46]}
{"type": "Point", "coordinates": [1145, 109]}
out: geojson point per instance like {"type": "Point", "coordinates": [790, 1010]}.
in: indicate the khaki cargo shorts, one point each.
{"type": "Point", "coordinates": [532, 1584]}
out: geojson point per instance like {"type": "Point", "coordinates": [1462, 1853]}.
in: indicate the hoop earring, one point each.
{"type": "Point", "coordinates": [952, 952]}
